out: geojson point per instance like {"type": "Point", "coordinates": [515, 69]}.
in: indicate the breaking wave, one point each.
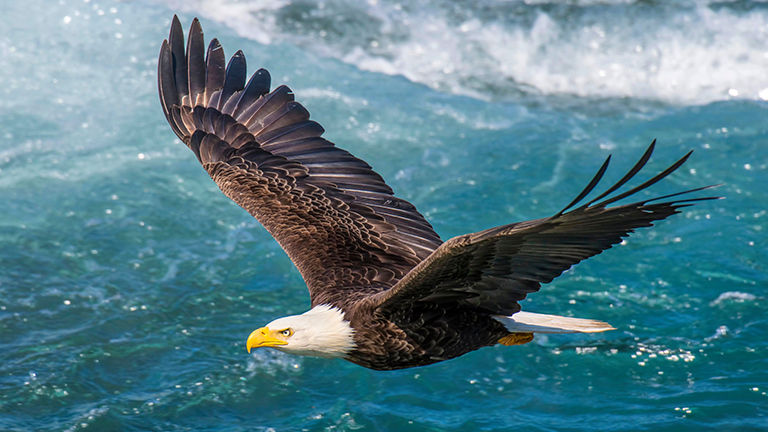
{"type": "Point", "coordinates": [691, 52]}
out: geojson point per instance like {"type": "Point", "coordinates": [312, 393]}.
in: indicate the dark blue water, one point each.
{"type": "Point", "coordinates": [128, 282]}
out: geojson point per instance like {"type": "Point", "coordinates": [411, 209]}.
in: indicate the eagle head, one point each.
{"type": "Point", "coordinates": [320, 332]}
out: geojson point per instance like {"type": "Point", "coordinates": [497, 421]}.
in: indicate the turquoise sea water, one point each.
{"type": "Point", "coordinates": [128, 282]}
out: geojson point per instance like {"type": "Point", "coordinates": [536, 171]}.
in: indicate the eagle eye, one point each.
{"type": "Point", "coordinates": [287, 332]}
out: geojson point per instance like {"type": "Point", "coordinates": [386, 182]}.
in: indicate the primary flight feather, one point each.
{"type": "Point", "coordinates": [386, 291]}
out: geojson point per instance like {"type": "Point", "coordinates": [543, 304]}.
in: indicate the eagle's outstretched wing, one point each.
{"type": "Point", "coordinates": [492, 270]}
{"type": "Point", "coordinates": [334, 216]}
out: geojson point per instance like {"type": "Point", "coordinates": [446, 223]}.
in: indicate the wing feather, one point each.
{"type": "Point", "coordinates": [234, 80]}
{"type": "Point", "coordinates": [195, 63]}
{"type": "Point", "coordinates": [214, 71]}
{"type": "Point", "coordinates": [257, 87]}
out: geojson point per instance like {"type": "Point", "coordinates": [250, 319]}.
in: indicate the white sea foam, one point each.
{"type": "Point", "coordinates": [686, 53]}
{"type": "Point", "coordinates": [732, 296]}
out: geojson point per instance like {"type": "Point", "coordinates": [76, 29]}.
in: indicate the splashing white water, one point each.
{"type": "Point", "coordinates": [683, 53]}
{"type": "Point", "coordinates": [733, 296]}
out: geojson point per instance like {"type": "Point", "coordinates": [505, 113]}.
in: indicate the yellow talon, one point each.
{"type": "Point", "coordinates": [516, 339]}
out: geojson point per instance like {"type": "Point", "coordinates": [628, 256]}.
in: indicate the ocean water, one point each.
{"type": "Point", "coordinates": [128, 282]}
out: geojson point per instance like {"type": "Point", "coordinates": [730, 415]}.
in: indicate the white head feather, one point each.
{"type": "Point", "coordinates": [321, 332]}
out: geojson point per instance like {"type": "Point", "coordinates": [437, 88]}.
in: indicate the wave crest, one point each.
{"type": "Point", "coordinates": [686, 52]}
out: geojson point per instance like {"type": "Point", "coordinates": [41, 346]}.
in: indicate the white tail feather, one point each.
{"type": "Point", "coordinates": [529, 322]}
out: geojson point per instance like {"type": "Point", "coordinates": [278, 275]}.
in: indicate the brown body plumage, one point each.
{"type": "Point", "coordinates": [410, 298]}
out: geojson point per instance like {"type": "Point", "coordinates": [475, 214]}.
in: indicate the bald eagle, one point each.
{"type": "Point", "coordinates": [386, 291]}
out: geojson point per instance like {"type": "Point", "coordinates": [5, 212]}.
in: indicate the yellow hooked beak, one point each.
{"type": "Point", "coordinates": [263, 337]}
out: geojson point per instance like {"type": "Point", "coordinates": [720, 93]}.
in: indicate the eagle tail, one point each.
{"type": "Point", "coordinates": [529, 322]}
